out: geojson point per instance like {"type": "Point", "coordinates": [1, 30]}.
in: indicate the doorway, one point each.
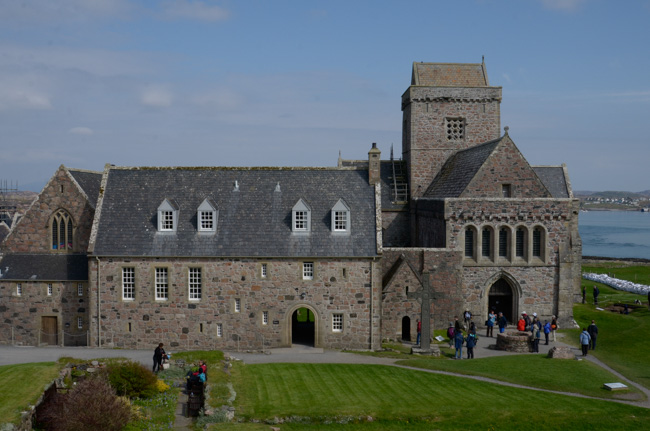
{"type": "Point", "coordinates": [406, 328]}
{"type": "Point", "coordinates": [500, 299]}
{"type": "Point", "coordinates": [303, 327]}
{"type": "Point", "coordinates": [49, 331]}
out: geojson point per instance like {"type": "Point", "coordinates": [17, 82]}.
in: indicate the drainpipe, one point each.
{"type": "Point", "coordinates": [99, 307]}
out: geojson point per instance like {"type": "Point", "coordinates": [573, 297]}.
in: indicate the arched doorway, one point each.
{"type": "Point", "coordinates": [303, 327]}
{"type": "Point", "coordinates": [500, 299]}
{"type": "Point", "coordinates": [406, 328]}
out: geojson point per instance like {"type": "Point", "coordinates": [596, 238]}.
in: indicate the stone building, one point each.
{"type": "Point", "coordinates": [254, 258]}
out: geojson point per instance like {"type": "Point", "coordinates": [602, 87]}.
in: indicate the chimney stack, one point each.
{"type": "Point", "coordinates": [374, 163]}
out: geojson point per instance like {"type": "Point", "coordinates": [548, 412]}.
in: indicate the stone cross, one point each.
{"type": "Point", "coordinates": [425, 295]}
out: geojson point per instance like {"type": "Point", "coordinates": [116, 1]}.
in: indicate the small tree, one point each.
{"type": "Point", "coordinates": [132, 379]}
{"type": "Point", "coordinates": [91, 405]}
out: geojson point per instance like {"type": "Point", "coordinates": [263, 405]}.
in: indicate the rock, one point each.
{"type": "Point", "coordinates": [561, 352]}
{"type": "Point", "coordinates": [434, 350]}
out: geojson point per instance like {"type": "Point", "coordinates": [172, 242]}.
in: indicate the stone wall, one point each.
{"type": "Point", "coordinates": [22, 315]}
{"type": "Point", "coordinates": [339, 286]}
{"type": "Point", "coordinates": [395, 228]}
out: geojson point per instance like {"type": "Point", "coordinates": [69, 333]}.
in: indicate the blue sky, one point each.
{"type": "Point", "coordinates": [290, 83]}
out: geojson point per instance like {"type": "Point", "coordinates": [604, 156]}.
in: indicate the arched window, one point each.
{"type": "Point", "coordinates": [486, 242]}
{"type": "Point", "coordinates": [520, 242]}
{"type": "Point", "coordinates": [470, 242]}
{"type": "Point", "coordinates": [504, 240]}
{"type": "Point", "coordinates": [538, 242]}
{"type": "Point", "coordinates": [62, 231]}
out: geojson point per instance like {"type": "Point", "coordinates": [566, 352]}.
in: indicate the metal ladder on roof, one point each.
{"type": "Point", "coordinates": [399, 186]}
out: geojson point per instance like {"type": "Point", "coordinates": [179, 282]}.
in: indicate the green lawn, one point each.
{"type": "Point", "coordinates": [537, 371]}
{"type": "Point", "coordinates": [398, 398]}
{"type": "Point", "coordinates": [22, 385]}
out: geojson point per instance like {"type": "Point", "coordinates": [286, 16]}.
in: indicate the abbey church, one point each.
{"type": "Point", "coordinates": [261, 257]}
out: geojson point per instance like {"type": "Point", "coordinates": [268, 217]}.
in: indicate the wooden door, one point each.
{"type": "Point", "coordinates": [49, 331]}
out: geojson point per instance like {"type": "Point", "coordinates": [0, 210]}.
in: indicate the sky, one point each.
{"type": "Point", "coordinates": [84, 83]}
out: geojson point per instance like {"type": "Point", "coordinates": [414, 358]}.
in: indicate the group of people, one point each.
{"type": "Point", "coordinates": [596, 293]}
{"type": "Point", "coordinates": [457, 338]}
{"type": "Point", "coordinates": [588, 338]}
{"type": "Point", "coordinates": [196, 375]}
{"type": "Point", "coordinates": [536, 328]}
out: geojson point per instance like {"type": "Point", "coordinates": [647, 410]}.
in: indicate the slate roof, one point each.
{"type": "Point", "coordinates": [554, 179]}
{"type": "Point", "coordinates": [90, 183]}
{"type": "Point", "coordinates": [48, 267]}
{"type": "Point", "coordinates": [459, 169]}
{"type": "Point", "coordinates": [254, 221]}
{"type": "Point", "coordinates": [450, 75]}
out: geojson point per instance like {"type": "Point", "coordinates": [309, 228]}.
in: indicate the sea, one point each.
{"type": "Point", "coordinates": [615, 233]}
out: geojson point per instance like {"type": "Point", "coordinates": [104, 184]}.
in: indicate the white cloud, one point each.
{"type": "Point", "coordinates": [564, 5]}
{"type": "Point", "coordinates": [52, 11]}
{"type": "Point", "coordinates": [22, 93]}
{"type": "Point", "coordinates": [81, 131]}
{"type": "Point", "coordinates": [194, 9]}
{"type": "Point", "coordinates": [506, 77]}
{"type": "Point", "coordinates": [156, 96]}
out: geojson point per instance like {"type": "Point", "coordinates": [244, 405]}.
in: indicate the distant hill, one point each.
{"type": "Point", "coordinates": [612, 194]}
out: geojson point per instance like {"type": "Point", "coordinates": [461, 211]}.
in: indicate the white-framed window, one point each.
{"type": "Point", "coordinates": [194, 283]}
{"type": "Point", "coordinates": [455, 128]}
{"type": "Point", "coordinates": [219, 330]}
{"type": "Point", "coordinates": [301, 217]}
{"type": "Point", "coordinates": [80, 289]}
{"type": "Point", "coordinates": [162, 284]}
{"type": "Point", "coordinates": [263, 269]}
{"type": "Point", "coordinates": [80, 323]}
{"type": "Point", "coordinates": [337, 322]}
{"type": "Point", "coordinates": [265, 317]}
{"type": "Point", "coordinates": [207, 216]}
{"type": "Point", "coordinates": [19, 289]}
{"type": "Point", "coordinates": [128, 283]}
{"type": "Point", "coordinates": [340, 217]}
{"type": "Point", "coordinates": [308, 270]}
{"type": "Point", "coordinates": [50, 290]}
{"type": "Point", "coordinates": [237, 305]}
{"type": "Point", "coordinates": [167, 216]}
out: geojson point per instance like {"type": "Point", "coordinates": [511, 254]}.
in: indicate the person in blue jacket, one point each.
{"type": "Point", "coordinates": [470, 342]}
{"type": "Point", "coordinates": [585, 338]}
{"type": "Point", "coordinates": [458, 343]}
{"type": "Point", "coordinates": [547, 330]}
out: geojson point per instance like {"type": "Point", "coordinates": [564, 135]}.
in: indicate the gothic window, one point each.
{"type": "Point", "coordinates": [503, 242]}
{"type": "Point", "coordinates": [207, 216]}
{"type": "Point", "coordinates": [455, 129]}
{"type": "Point", "coordinates": [469, 242]}
{"type": "Point", "coordinates": [520, 242]}
{"type": "Point", "coordinates": [486, 242]}
{"type": "Point", "coordinates": [301, 217]}
{"type": "Point", "coordinates": [62, 231]}
{"type": "Point", "coordinates": [538, 243]}
{"type": "Point", "coordinates": [167, 216]}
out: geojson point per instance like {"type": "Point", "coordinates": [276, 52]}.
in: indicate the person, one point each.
{"type": "Point", "coordinates": [457, 325]}
{"type": "Point", "coordinates": [554, 326]}
{"type": "Point", "coordinates": [470, 342]}
{"type": "Point", "coordinates": [584, 294]}
{"type": "Point", "coordinates": [458, 343]}
{"type": "Point", "coordinates": [648, 299]}
{"type": "Point", "coordinates": [450, 334]}
{"type": "Point", "coordinates": [547, 330]}
{"type": "Point", "coordinates": [467, 315]}
{"type": "Point", "coordinates": [158, 356]}
{"type": "Point", "coordinates": [584, 341]}
{"type": "Point", "coordinates": [418, 325]}
{"type": "Point", "coordinates": [521, 324]}
{"type": "Point", "coordinates": [596, 293]}
{"type": "Point", "coordinates": [593, 334]}
{"type": "Point", "coordinates": [537, 334]}
{"type": "Point", "coordinates": [193, 377]}
{"type": "Point", "coordinates": [503, 322]}
{"type": "Point", "coordinates": [528, 320]}
{"type": "Point", "coordinates": [492, 318]}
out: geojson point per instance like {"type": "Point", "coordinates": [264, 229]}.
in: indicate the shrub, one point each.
{"type": "Point", "coordinates": [92, 404]}
{"type": "Point", "coordinates": [133, 380]}
{"type": "Point", "coordinates": [161, 386]}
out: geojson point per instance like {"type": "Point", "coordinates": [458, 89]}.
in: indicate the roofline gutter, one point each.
{"type": "Point", "coordinates": [140, 256]}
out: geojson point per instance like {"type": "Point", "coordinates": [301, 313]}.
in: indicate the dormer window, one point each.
{"type": "Point", "coordinates": [167, 216]}
{"type": "Point", "coordinates": [207, 216]}
{"type": "Point", "coordinates": [340, 217]}
{"type": "Point", "coordinates": [301, 217]}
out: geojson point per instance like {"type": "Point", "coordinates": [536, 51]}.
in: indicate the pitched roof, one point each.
{"type": "Point", "coordinates": [254, 221]}
{"type": "Point", "coordinates": [459, 169]}
{"type": "Point", "coordinates": [554, 179]}
{"type": "Point", "coordinates": [89, 182]}
{"type": "Point", "coordinates": [450, 75]}
{"type": "Point", "coordinates": [48, 267]}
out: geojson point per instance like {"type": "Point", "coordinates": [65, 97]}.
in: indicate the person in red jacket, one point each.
{"type": "Point", "coordinates": [521, 324]}
{"type": "Point", "coordinates": [419, 326]}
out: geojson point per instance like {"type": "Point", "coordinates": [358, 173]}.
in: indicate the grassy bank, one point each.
{"type": "Point", "coordinates": [22, 385]}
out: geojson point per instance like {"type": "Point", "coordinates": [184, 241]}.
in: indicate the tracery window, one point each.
{"type": "Point", "coordinates": [62, 231]}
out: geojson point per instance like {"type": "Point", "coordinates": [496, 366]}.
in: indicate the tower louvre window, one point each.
{"type": "Point", "coordinates": [469, 242]}
{"type": "Point", "coordinates": [537, 242]}
{"type": "Point", "coordinates": [455, 129]}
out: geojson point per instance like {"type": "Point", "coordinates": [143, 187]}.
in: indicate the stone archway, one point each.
{"type": "Point", "coordinates": [302, 323]}
{"type": "Point", "coordinates": [406, 328]}
{"type": "Point", "coordinates": [502, 294]}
